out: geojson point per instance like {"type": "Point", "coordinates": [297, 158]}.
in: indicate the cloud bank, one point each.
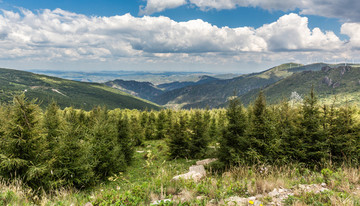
{"type": "Point", "coordinates": [50, 35]}
{"type": "Point", "coordinates": [346, 10]}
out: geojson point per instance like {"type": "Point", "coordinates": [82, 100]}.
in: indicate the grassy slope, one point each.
{"type": "Point", "coordinates": [348, 89]}
{"type": "Point", "coordinates": [65, 92]}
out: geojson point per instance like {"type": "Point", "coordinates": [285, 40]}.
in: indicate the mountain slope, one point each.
{"type": "Point", "coordinates": [342, 82]}
{"type": "Point", "coordinates": [65, 92]}
{"type": "Point", "coordinates": [149, 91]}
{"type": "Point", "coordinates": [145, 90]}
{"type": "Point", "coordinates": [216, 92]}
{"type": "Point", "coordinates": [177, 85]}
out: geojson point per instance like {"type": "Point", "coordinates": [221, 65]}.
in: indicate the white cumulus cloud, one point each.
{"type": "Point", "coordinates": [291, 32]}
{"type": "Point", "coordinates": [352, 30]}
{"type": "Point", "coordinates": [153, 6]}
{"type": "Point", "coordinates": [51, 35]}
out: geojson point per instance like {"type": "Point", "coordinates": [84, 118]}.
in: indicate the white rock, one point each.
{"type": "Point", "coordinates": [205, 161]}
{"type": "Point", "coordinates": [198, 169]}
{"type": "Point", "coordinates": [274, 193]}
{"type": "Point", "coordinates": [236, 200]}
{"type": "Point", "coordinates": [195, 176]}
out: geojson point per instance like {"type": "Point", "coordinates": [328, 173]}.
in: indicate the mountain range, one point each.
{"type": "Point", "coordinates": [278, 83]}
{"type": "Point", "coordinates": [286, 81]}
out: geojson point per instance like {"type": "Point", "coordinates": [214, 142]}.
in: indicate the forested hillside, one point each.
{"type": "Point", "coordinates": [338, 82]}
{"type": "Point", "coordinates": [65, 92]}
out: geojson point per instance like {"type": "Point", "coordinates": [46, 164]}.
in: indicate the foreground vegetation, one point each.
{"type": "Point", "coordinates": [117, 157]}
{"type": "Point", "coordinates": [148, 179]}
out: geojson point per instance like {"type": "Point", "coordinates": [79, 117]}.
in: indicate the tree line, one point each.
{"type": "Point", "coordinates": [56, 148]}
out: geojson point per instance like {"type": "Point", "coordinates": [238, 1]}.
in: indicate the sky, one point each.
{"type": "Point", "coordinates": [238, 36]}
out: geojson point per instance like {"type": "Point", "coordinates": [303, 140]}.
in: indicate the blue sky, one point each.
{"type": "Point", "coordinates": [204, 35]}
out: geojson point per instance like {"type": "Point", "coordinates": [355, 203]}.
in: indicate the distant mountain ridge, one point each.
{"type": "Point", "coordinates": [149, 91]}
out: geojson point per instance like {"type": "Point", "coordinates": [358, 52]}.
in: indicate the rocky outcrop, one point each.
{"type": "Point", "coordinates": [327, 81]}
{"type": "Point", "coordinates": [336, 84]}
{"type": "Point", "coordinates": [344, 69]}
{"type": "Point", "coordinates": [325, 68]}
{"type": "Point", "coordinates": [196, 173]}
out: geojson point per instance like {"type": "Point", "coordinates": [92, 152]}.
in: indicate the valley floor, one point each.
{"type": "Point", "coordinates": [149, 181]}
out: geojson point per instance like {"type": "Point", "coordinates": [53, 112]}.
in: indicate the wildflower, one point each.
{"type": "Point", "coordinates": [251, 202]}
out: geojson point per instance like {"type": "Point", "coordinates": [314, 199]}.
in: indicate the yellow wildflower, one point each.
{"type": "Point", "coordinates": [251, 202]}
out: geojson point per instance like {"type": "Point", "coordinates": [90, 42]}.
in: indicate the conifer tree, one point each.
{"type": "Point", "coordinates": [124, 139]}
{"type": "Point", "coordinates": [342, 142]}
{"type": "Point", "coordinates": [136, 131]}
{"type": "Point", "coordinates": [23, 144]}
{"type": "Point", "coordinates": [234, 143]}
{"type": "Point", "coordinates": [287, 127]}
{"type": "Point", "coordinates": [261, 130]}
{"type": "Point", "coordinates": [104, 145]}
{"type": "Point", "coordinates": [179, 139]}
{"type": "Point", "coordinates": [199, 134]}
{"type": "Point", "coordinates": [161, 125]}
{"type": "Point", "coordinates": [73, 162]}
{"type": "Point", "coordinates": [314, 142]}
{"type": "Point", "coordinates": [150, 128]}
{"type": "Point", "coordinates": [52, 125]}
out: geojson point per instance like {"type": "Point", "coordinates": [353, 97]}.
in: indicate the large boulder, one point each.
{"type": "Point", "coordinates": [196, 173]}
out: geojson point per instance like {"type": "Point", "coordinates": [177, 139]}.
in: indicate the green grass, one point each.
{"type": "Point", "coordinates": [149, 179]}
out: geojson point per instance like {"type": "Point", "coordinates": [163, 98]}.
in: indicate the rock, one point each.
{"type": "Point", "coordinates": [236, 200]}
{"type": "Point", "coordinates": [325, 68]}
{"type": "Point", "coordinates": [327, 81]}
{"type": "Point", "coordinates": [196, 173]}
{"type": "Point", "coordinates": [198, 168]}
{"type": "Point", "coordinates": [274, 193]}
{"type": "Point", "coordinates": [336, 84]}
{"type": "Point", "coordinates": [205, 161]}
{"type": "Point", "coordinates": [88, 204]}
{"type": "Point", "coordinates": [344, 69]}
{"type": "Point", "coordinates": [315, 188]}
{"type": "Point", "coordinates": [196, 177]}
{"type": "Point", "coordinates": [140, 151]}
{"type": "Point", "coordinates": [200, 197]}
